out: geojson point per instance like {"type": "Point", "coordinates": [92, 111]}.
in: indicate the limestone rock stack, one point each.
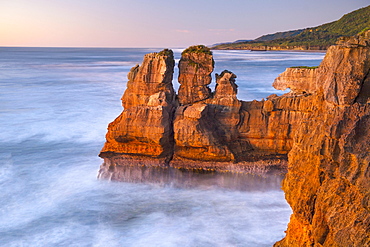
{"type": "Point", "coordinates": [145, 128]}
{"type": "Point", "coordinates": [270, 125]}
{"type": "Point", "coordinates": [298, 80]}
{"type": "Point", "coordinates": [195, 68]}
{"type": "Point", "coordinates": [150, 81]}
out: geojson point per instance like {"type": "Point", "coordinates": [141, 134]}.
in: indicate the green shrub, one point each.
{"type": "Point", "coordinates": [304, 67]}
{"type": "Point", "coordinates": [197, 49]}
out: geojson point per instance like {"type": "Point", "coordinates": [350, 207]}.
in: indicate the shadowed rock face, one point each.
{"type": "Point", "coordinates": [328, 180]}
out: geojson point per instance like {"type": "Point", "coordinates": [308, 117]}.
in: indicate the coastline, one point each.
{"type": "Point", "coordinates": [288, 50]}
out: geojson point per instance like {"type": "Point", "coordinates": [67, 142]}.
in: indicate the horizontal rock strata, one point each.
{"type": "Point", "coordinates": [196, 126]}
{"type": "Point", "coordinates": [195, 68]}
{"type": "Point", "coordinates": [145, 128]}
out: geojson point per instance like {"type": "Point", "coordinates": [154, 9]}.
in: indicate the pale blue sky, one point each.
{"type": "Point", "coordinates": [161, 23]}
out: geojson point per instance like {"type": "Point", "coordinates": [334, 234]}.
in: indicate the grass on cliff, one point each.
{"type": "Point", "coordinates": [197, 49]}
{"type": "Point", "coordinates": [320, 37]}
{"type": "Point", "coordinates": [166, 52]}
{"type": "Point", "coordinates": [304, 67]}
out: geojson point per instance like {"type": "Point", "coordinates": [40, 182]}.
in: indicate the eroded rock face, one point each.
{"type": "Point", "coordinates": [145, 126]}
{"type": "Point", "coordinates": [151, 83]}
{"type": "Point", "coordinates": [207, 130]}
{"type": "Point", "coordinates": [198, 136]}
{"type": "Point", "coordinates": [202, 126]}
{"type": "Point", "coordinates": [270, 125]}
{"type": "Point", "coordinates": [341, 76]}
{"type": "Point", "coordinates": [343, 73]}
{"type": "Point", "coordinates": [328, 180]}
{"type": "Point", "coordinates": [299, 80]}
{"type": "Point", "coordinates": [195, 68]}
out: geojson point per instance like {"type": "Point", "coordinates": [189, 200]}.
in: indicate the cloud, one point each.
{"type": "Point", "coordinates": [182, 31]}
{"type": "Point", "coordinates": [221, 30]}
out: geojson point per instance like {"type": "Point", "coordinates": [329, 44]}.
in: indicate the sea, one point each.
{"type": "Point", "coordinates": [55, 106]}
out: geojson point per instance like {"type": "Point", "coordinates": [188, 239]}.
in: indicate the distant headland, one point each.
{"type": "Point", "coordinates": [313, 38]}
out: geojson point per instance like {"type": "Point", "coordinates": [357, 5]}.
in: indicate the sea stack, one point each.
{"type": "Point", "coordinates": [143, 133]}
{"type": "Point", "coordinates": [195, 68]}
{"type": "Point", "coordinates": [197, 128]}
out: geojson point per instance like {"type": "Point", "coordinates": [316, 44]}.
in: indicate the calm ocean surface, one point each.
{"type": "Point", "coordinates": [55, 105]}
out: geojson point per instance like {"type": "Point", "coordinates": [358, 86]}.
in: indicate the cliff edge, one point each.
{"type": "Point", "coordinates": [328, 179]}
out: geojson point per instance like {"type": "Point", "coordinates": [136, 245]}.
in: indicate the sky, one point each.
{"type": "Point", "coordinates": [158, 23]}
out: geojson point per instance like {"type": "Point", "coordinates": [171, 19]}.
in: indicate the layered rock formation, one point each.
{"type": "Point", "coordinates": [208, 130]}
{"type": "Point", "coordinates": [328, 180]}
{"type": "Point", "coordinates": [144, 129]}
{"type": "Point", "coordinates": [195, 68]}
{"type": "Point", "coordinates": [197, 125]}
{"type": "Point", "coordinates": [298, 80]}
{"type": "Point", "coordinates": [323, 123]}
{"type": "Point", "coordinates": [269, 125]}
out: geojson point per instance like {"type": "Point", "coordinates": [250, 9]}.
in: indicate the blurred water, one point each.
{"type": "Point", "coordinates": [55, 105]}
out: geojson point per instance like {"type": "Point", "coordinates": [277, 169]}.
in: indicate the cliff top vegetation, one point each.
{"type": "Point", "coordinates": [197, 49]}
{"type": "Point", "coordinates": [165, 52]}
{"type": "Point", "coordinates": [304, 67]}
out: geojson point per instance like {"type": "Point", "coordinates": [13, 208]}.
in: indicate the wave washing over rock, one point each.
{"type": "Point", "coordinates": [323, 123]}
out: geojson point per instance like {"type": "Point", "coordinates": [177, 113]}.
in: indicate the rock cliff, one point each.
{"type": "Point", "coordinates": [144, 129]}
{"type": "Point", "coordinates": [328, 179]}
{"type": "Point", "coordinates": [269, 125]}
{"type": "Point", "coordinates": [323, 123]}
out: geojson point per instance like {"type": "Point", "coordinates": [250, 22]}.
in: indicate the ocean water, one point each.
{"type": "Point", "coordinates": [55, 105]}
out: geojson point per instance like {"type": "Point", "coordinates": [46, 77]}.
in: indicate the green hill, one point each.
{"type": "Point", "coordinates": [279, 35]}
{"type": "Point", "coordinates": [315, 38]}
